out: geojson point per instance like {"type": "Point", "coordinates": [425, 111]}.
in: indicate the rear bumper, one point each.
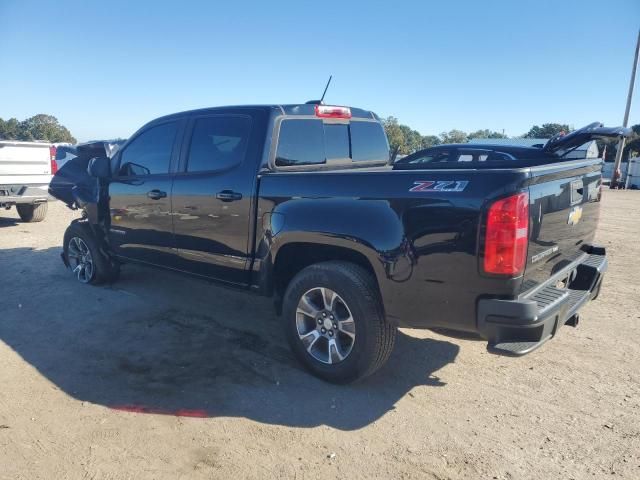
{"type": "Point", "coordinates": [23, 194]}
{"type": "Point", "coordinates": [516, 327]}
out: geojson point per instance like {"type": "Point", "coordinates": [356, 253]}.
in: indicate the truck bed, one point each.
{"type": "Point", "coordinates": [427, 244]}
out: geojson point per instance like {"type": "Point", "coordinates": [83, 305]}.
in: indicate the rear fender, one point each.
{"type": "Point", "coordinates": [369, 228]}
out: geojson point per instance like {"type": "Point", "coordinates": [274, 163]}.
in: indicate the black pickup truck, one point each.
{"type": "Point", "coordinates": [299, 202]}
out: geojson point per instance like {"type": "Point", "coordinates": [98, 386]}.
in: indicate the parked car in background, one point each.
{"type": "Point", "coordinates": [483, 150]}
{"type": "Point", "coordinates": [299, 202]}
{"type": "Point", "coordinates": [26, 169]}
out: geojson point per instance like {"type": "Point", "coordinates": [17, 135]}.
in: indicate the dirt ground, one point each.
{"type": "Point", "coordinates": [163, 376]}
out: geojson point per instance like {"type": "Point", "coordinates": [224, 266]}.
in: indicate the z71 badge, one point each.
{"type": "Point", "coordinates": [439, 186]}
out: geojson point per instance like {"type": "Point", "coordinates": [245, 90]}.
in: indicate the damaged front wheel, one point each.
{"type": "Point", "coordinates": [84, 257]}
{"type": "Point", "coordinates": [80, 259]}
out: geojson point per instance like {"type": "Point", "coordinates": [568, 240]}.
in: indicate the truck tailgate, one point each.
{"type": "Point", "coordinates": [24, 163]}
{"type": "Point", "coordinates": [564, 210]}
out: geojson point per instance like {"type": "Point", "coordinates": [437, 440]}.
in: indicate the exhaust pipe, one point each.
{"type": "Point", "coordinates": [573, 321]}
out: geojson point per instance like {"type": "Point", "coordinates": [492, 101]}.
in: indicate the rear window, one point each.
{"type": "Point", "coordinates": [336, 140]}
{"type": "Point", "coordinates": [313, 142]}
{"type": "Point", "coordinates": [368, 142]}
{"type": "Point", "coordinates": [301, 142]}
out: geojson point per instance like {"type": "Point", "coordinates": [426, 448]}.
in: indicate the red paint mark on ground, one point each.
{"type": "Point", "coordinates": [183, 412]}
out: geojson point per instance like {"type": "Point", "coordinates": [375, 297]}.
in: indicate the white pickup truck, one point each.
{"type": "Point", "coordinates": [26, 169]}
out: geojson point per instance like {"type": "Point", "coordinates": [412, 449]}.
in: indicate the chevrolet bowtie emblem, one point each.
{"type": "Point", "coordinates": [574, 215]}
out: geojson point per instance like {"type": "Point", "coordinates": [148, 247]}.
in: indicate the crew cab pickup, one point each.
{"type": "Point", "coordinates": [25, 173]}
{"type": "Point", "coordinates": [299, 202]}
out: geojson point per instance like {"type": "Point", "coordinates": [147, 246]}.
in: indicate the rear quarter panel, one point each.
{"type": "Point", "coordinates": [422, 245]}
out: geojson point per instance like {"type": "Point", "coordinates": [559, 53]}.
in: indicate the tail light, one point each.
{"type": "Point", "coordinates": [507, 235]}
{"type": "Point", "coordinates": [328, 111]}
{"type": "Point", "coordinates": [54, 164]}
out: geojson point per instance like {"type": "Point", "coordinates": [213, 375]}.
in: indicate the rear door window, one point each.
{"type": "Point", "coordinates": [218, 142]}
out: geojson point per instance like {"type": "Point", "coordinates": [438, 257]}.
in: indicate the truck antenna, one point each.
{"type": "Point", "coordinates": [319, 102]}
{"type": "Point", "coordinates": [325, 89]}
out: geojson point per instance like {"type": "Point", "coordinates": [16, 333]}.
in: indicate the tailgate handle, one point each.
{"type": "Point", "coordinates": [577, 189]}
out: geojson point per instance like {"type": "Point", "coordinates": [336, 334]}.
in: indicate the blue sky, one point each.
{"type": "Point", "coordinates": [104, 68]}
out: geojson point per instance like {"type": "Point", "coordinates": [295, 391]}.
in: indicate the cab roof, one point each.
{"type": "Point", "coordinates": [283, 109]}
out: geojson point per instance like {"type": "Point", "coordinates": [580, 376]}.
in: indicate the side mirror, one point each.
{"type": "Point", "coordinates": [99, 167]}
{"type": "Point", "coordinates": [131, 169]}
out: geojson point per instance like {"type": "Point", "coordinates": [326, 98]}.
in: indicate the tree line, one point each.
{"type": "Point", "coordinates": [39, 127]}
{"type": "Point", "coordinates": [631, 146]}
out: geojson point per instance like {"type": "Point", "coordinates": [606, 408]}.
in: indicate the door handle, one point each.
{"type": "Point", "coordinates": [228, 196]}
{"type": "Point", "coordinates": [156, 194]}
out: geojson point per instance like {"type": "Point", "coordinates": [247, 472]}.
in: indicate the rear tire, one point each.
{"type": "Point", "coordinates": [85, 258]}
{"type": "Point", "coordinates": [32, 213]}
{"type": "Point", "coordinates": [362, 338]}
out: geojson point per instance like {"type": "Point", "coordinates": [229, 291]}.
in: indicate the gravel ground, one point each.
{"type": "Point", "coordinates": [164, 376]}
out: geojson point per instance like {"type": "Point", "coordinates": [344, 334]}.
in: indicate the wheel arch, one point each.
{"type": "Point", "coordinates": [290, 257]}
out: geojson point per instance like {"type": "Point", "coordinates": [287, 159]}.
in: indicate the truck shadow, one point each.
{"type": "Point", "coordinates": [162, 343]}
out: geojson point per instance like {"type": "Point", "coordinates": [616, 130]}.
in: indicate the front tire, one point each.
{"type": "Point", "coordinates": [335, 322]}
{"type": "Point", "coordinates": [85, 258]}
{"type": "Point", "coordinates": [32, 213]}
